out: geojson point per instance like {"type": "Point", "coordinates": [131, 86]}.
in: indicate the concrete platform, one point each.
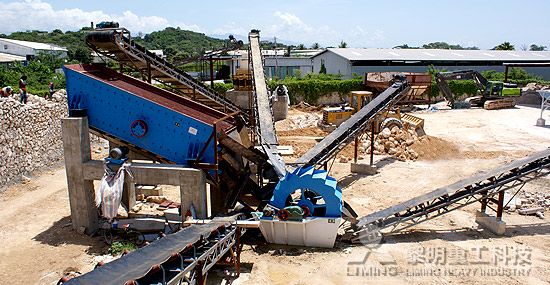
{"type": "Point", "coordinates": [490, 223]}
{"type": "Point", "coordinates": [363, 168]}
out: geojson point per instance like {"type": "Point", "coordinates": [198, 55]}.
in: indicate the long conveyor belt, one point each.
{"type": "Point", "coordinates": [118, 45]}
{"type": "Point", "coordinates": [332, 144]}
{"type": "Point", "coordinates": [181, 258]}
{"type": "Point", "coordinates": [264, 113]}
{"type": "Point", "coordinates": [480, 187]}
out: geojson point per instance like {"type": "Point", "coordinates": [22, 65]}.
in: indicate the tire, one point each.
{"type": "Point", "coordinates": [108, 236]}
{"type": "Point", "coordinates": [136, 237]}
{"type": "Point", "coordinates": [283, 215]}
{"type": "Point", "coordinates": [390, 123]}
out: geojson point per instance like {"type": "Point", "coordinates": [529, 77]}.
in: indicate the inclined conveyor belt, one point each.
{"type": "Point", "coordinates": [117, 44]}
{"type": "Point", "coordinates": [141, 265]}
{"type": "Point", "coordinates": [457, 195]}
{"type": "Point", "coordinates": [353, 127]}
{"type": "Point", "coordinates": [264, 113]}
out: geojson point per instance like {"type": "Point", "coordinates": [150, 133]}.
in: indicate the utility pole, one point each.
{"type": "Point", "coordinates": [276, 65]}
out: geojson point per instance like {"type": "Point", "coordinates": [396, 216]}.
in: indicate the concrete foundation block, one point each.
{"type": "Point", "coordinates": [363, 168]}
{"type": "Point", "coordinates": [541, 122]}
{"type": "Point", "coordinates": [149, 190]}
{"type": "Point", "coordinates": [490, 223]}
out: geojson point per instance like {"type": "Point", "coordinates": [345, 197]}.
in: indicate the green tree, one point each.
{"type": "Point", "coordinates": [504, 46]}
{"type": "Point", "coordinates": [444, 45]}
{"type": "Point", "coordinates": [535, 47]}
{"type": "Point", "coordinates": [315, 46]}
{"type": "Point", "coordinates": [50, 60]}
{"type": "Point", "coordinates": [404, 46]}
{"type": "Point", "coordinates": [343, 44]}
{"type": "Point", "coordinates": [81, 55]}
{"type": "Point", "coordinates": [323, 69]}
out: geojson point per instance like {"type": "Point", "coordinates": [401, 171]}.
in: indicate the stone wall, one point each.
{"type": "Point", "coordinates": [30, 135]}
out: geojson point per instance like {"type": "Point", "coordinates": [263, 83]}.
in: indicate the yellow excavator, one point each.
{"type": "Point", "coordinates": [334, 116]}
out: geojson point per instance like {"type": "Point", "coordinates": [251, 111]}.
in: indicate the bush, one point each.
{"type": "Point", "coordinates": [312, 86]}
{"type": "Point", "coordinates": [118, 248]}
{"type": "Point", "coordinates": [221, 88]}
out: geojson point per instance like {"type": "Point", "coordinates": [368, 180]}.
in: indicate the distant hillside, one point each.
{"type": "Point", "coordinates": [177, 42]}
{"type": "Point", "coordinates": [173, 41]}
{"type": "Point", "coordinates": [73, 41]}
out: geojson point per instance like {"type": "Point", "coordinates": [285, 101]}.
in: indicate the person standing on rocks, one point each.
{"type": "Point", "coordinates": [52, 90]}
{"type": "Point", "coordinates": [23, 89]}
{"type": "Point", "coordinates": [6, 92]}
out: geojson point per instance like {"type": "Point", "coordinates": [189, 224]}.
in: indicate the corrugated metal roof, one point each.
{"type": "Point", "coordinates": [38, 46]}
{"type": "Point", "coordinates": [4, 57]}
{"type": "Point", "coordinates": [357, 54]}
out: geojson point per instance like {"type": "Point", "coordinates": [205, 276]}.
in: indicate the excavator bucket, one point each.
{"type": "Point", "coordinates": [413, 122]}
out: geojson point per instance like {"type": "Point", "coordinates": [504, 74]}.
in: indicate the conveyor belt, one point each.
{"type": "Point", "coordinates": [457, 195]}
{"type": "Point", "coordinates": [264, 113]}
{"type": "Point", "coordinates": [117, 44]}
{"type": "Point", "coordinates": [332, 144]}
{"type": "Point", "coordinates": [180, 258]}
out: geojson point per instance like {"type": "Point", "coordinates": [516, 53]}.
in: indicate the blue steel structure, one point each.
{"type": "Point", "coordinates": [168, 125]}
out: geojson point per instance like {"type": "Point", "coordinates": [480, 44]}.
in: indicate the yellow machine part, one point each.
{"type": "Point", "coordinates": [413, 122]}
{"type": "Point", "coordinates": [336, 115]}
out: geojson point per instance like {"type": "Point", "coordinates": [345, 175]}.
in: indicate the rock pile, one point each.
{"type": "Point", "coordinates": [396, 142]}
{"type": "Point", "coordinates": [528, 203]}
{"type": "Point", "coordinates": [536, 86]}
{"type": "Point", "coordinates": [305, 121]}
{"type": "Point", "coordinates": [30, 135]}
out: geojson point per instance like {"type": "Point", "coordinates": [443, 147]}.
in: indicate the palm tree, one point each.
{"type": "Point", "coordinates": [504, 46]}
{"type": "Point", "coordinates": [343, 44]}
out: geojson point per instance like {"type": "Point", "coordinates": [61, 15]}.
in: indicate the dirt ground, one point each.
{"type": "Point", "coordinates": [39, 244]}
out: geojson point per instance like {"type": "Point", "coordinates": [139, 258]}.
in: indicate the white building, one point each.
{"type": "Point", "coordinates": [30, 49]}
{"type": "Point", "coordinates": [6, 59]}
{"type": "Point", "coordinates": [347, 61]}
{"type": "Point", "coordinates": [275, 63]}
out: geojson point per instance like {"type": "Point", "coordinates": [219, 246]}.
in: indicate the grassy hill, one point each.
{"type": "Point", "coordinates": [181, 43]}
{"type": "Point", "coordinates": [174, 41]}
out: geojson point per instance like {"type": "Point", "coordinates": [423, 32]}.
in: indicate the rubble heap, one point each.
{"type": "Point", "coordinates": [305, 121]}
{"type": "Point", "coordinates": [30, 135]}
{"type": "Point", "coordinates": [396, 142]}
{"type": "Point", "coordinates": [528, 203]}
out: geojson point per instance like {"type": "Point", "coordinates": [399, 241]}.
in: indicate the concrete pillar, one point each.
{"type": "Point", "coordinates": [193, 192]}
{"type": "Point", "coordinates": [76, 145]}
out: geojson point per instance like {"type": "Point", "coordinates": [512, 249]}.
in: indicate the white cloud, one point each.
{"type": "Point", "coordinates": [38, 15]}
{"type": "Point", "coordinates": [231, 28]}
{"type": "Point", "coordinates": [290, 27]}
{"type": "Point", "coordinates": [358, 37]}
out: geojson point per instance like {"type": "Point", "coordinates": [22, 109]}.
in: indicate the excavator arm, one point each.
{"type": "Point", "coordinates": [442, 77]}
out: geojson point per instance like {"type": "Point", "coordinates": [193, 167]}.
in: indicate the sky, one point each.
{"type": "Point", "coordinates": [361, 24]}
